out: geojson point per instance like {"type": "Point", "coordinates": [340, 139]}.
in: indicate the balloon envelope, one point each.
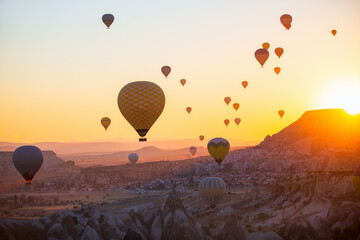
{"type": "Point", "coordinates": [105, 121]}
{"type": "Point", "coordinates": [193, 150]}
{"type": "Point", "coordinates": [286, 20]}
{"type": "Point", "coordinates": [236, 106]}
{"type": "Point", "coordinates": [261, 55]}
{"type": "Point", "coordinates": [201, 137]}
{"type": "Point", "coordinates": [266, 45]}
{"type": "Point", "coordinates": [212, 189]}
{"type": "Point", "coordinates": [226, 121]}
{"type": "Point", "coordinates": [237, 121]}
{"type": "Point", "coordinates": [244, 84]}
{"type": "Point", "coordinates": [27, 160]}
{"type": "Point", "coordinates": [334, 32]}
{"type": "Point", "coordinates": [356, 179]}
{"type": "Point", "coordinates": [108, 19]}
{"type": "Point", "coordinates": [279, 51]}
{"type": "Point", "coordinates": [166, 70]}
{"type": "Point", "coordinates": [133, 157]}
{"type": "Point", "coordinates": [141, 103]}
{"type": "Point", "coordinates": [183, 81]}
{"type": "Point", "coordinates": [281, 113]}
{"type": "Point", "coordinates": [227, 100]}
{"type": "Point", "coordinates": [277, 70]}
{"type": "Point", "coordinates": [188, 109]}
{"type": "Point", "coordinates": [218, 149]}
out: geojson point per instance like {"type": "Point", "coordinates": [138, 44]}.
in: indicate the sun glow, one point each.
{"type": "Point", "coordinates": [344, 93]}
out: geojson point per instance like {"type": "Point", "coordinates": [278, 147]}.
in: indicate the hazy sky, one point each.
{"type": "Point", "coordinates": [61, 69]}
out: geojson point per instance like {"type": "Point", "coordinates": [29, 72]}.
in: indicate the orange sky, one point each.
{"type": "Point", "coordinates": [61, 69]}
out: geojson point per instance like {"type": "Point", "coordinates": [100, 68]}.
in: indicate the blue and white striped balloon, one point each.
{"type": "Point", "coordinates": [211, 190]}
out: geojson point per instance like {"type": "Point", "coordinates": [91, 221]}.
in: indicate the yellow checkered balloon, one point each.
{"type": "Point", "coordinates": [218, 149]}
{"type": "Point", "coordinates": [141, 103]}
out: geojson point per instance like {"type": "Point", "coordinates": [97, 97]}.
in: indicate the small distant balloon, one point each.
{"type": "Point", "coordinates": [281, 113]}
{"type": "Point", "coordinates": [244, 84]}
{"type": "Point", "coordinates": [212, 189]}
{"type": "Point", "coordinates": [166, 70]}
{"type": "Point", "coordinates": [188, 109]}
{"type": "Point", "coordinates": [266, 45]}
{"type": "Point", "coordinates": [226, 121]}
{"type": "Point", "coordinates": [193, 150]}
{"type": "Point", "coordinates": [333, 32]}
{"type": "Point", "coordinates": [183, 81]}
{"type": "Point", "coordinates": [105, 121]}
{"type": "Point", "coordinates": [133, 157]}
{"type": "Point", "coordinates": [261, 56]}
{"type": "Point", "coordinates": [279, 51]}
{"type": "Point", "coordinates": [218, 149]}
{"type": "Point", "coordinates": [237, 121]}
{"type": "Point", "coordinates": [277, 70]}
{"type": "Point", "coordinates": [201, 137]}
{"type": "Point", "coordinates": [27, 160]}
{"type": "Point", "coordinates": [286, 20]}
{"type": "Point", "coordinates": [108, 19]}
{"type": "Point", "coordinates": [227, 100]}
{"type": "Point", "coordinates": [236, 106]}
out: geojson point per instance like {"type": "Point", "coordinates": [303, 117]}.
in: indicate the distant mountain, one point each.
{"type": "Point", "coordinates": [326, 128]}
{"type": "Point", "coordinates": [104, 147]}
{"type": "Point", "coordinates": [327, 139]}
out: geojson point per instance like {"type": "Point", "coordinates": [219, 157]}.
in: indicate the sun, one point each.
{"type": "Point", "coordinates": [342, 93]}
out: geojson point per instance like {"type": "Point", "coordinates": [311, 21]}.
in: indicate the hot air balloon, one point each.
{"type": "Point", "coordinates": [108, 19]}
{"type": "Point", "coordinates": [333, 32]}
{"type": "Point", "coordinates": [193, 150]}
{"type": "Point", "coordinates": [166, 70]}
{"type": "Point", "coordinates": [286, 20]}
{"type": "Point", "coordinates": [141, 103]}
{"type": "Point", "coordinates": [237, 121]}
{"type": "Point", "coordinates": [227, 100]}
{"type": "Point", "coordinates": [279, 51]}
{"type": "Point", "coordinates": [277, 70]}
{"type": "Point", "coordinates": [218, 149]}
{"type": "Point", "coordinates": [356, 179]}
{"type": "Point", "coordinates": [226, 121]}
{"type": "Point", "coordinates": [133, 157]}
{"type": "Point", "coordinates": [188, 109]}
{"type": "Point", "coordinates": [105, 121]}
{"type": "Point", "coordinates": [244, 84]}
{"type": "Point", "coordinates": [281, 113]}
{"type": "Point", "coordinates": [201, 137]}
{"type": "Point", "coordinates": [183, 81]}
{"type": "Point", "coordinates": [261, 55]}
{"type": "Point", "coordinates": [212, 190]}
{"type": "Point", "coordinates": [27, 160]}
{"type": "Point", "coordinates": [266, 45]}
{"type": "Point", "coordinates": [236, 106]}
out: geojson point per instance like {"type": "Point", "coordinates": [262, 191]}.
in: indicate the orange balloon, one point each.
{"type": "Point", "coordinates": [286, 20]}
{"type": "Point", "coordinates": [244, 84]}
{"type": "Point", "coordinates": [227, 100]}
{"type": "Point", "coordinates": [236, 106]}
{"type": "Point", "coordinates": [266, 45]}
{"type": "Point", "coordinates": [237, 121]}
{"type": "Point", "coordinates": [201, 137]}
{"type": "Point", "coordinates": [188, 109]}
{"type": "Point", "coordinates": [277, 70]}
{"type": "Point", "coordinates": [226, 121]}
{"type": "Point", "coordinates": [334, 32]}
{"type": "Point", "coordinates": [261, 55]}
{"type": "Point", "coordinates": [279, 51]}
{"type": "Point", "coordinates": [281, 113]}
{"type": "Point", "coordinates": [183, 81]}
